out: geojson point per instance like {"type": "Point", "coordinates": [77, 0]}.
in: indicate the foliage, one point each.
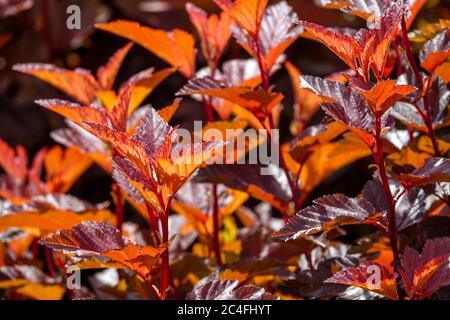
{"type": "Point", "coordinates": [213, 231]}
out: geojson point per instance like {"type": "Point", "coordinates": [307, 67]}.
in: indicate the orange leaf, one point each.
{"type": "Point", "coordinates": [361, 277]}
{"type": "Point", "coordinates": [64, 167]}
{"type": "Point", "coordinates": [175, 47]}
{"type": "Point", "coordinates": [106, 74]}
{"type": "Point", "coordinates": [385, 94]}
{"type": "Point", "coordinates": [79, 84]}
{"type": "Point", "coordinates": [247, 13]}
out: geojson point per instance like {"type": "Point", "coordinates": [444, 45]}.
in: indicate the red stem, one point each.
{"type": "Point", "coordinates": [153, 222]}
{"type": "Point", "coordinates": [119, 206]}
{"type": "Point", "coordinates": [265, 85]}
{"type": "Point", "coordinates": [165, 271]}
{"type": "Point", "coordinates": [165, 268]}
{"type": "Point", "coordinates": [216, 226]}
{"type": "Point", "coordinates": [379, 160]}
{"type": "Point", "coordinates": [425, 115]}
{"type": "Point", "coordinates": [49, 261]}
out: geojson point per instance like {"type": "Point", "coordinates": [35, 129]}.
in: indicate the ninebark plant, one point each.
{"type": "Point", "coordinates": [201, 238]}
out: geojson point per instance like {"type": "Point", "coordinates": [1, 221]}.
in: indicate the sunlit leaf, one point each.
{"type": "Point", "coordinates": [435, 51]}
{"type": "Point", "coordinates": [103, 240]}
{"type": "Point", "coordinates": [175, 47]}
{"type": "Point", "coordinates": [364, 277]}
{"type": "Point", "coordinates": [425, 273]}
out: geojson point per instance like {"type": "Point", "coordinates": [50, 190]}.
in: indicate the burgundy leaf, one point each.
{"type": "Point", "coordinates": [271, 188]}
{"type": "Point", "coordinates": [424, 274]}
{"type": "Point", "coordinates": [86, 238]}
{"type": "Point", "coordinates": [326, 213]}
{"type": "Point", "coordinates": [152, 133]}
{"type": "Point", "coordinates": [349, 106]}
{"type": "Point", "coordinates": [227, 290]}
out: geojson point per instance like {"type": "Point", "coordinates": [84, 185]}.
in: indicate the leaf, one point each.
{"type": "Point", "coordinates": [384, 94]}
{"type": "Point", "coordinates": [247, 269]}
{"type": "Point", "coordinates": [142, 84]}
{"type": "Point", "coordinates": [152, 133]}
{"type": "Point", "coordinates": [277, 32]}
{"type": "Point", "coordinates": [20, 274]}
{"type": "Point", "coordinates": [246, 13]}
{"type": "Point", "coordinates": [367, 49]}
{"type": "Point", "coordinates": [435, 170]}
{"type": "Point", "coordinates": [424, 274]}
{"type": "Point", "coordinates": [438, 97]}
{"type": "Point", "coordinates": [349, 106]}
{"type": "Point", "coordinates": [428, 31]}
{"type": "Point", "coordinates": [260, 102]}
{"type": "Point", "coordinates": [417, 151]}
{"type": "Point", "coordinates": [49, 201]}
{"type": "Point", "coordinates": [443, 72]}
{"type": "Point", "coordinates": [50, 220]}
{"type": "Point", "coordinates": [42, 291]}
{"type": "Point", "coordinates": [103, 240]}
{"type": "Point", "coordinates": [75, 112]}
{"type": "Point", "coordinates": [363, 277]}
{"type": "Point", "coordinates": [410, 208]}
{"type": "Point", "coordinates": [341, 44]}
{"type": "Point", "coordinates": [367, 9]}
{"type": "Point", "coordinates": [328, 159]}
{"type": "Point", "coordinates": [166, 113]}
{"type": "Point", "coordinates": [435, 51]}
{"type": "Point", "coordinates": [29, 281]}
{"type": "Point", "coordinates": [270, 188]}
{"type": "Point", "coordinates": [11, 8]}
{"type": "Point", "coordinates": [326, 213]}
{"type": "Point", "coordinates": [227, 290]}
{"type": "Point", "coordinates": [107, 74]}
{"type": "Point", "coordinates": [14, 161]}
{"type": "Point", "coordinates": [80, 84]}
{"type": "Point", "coordinates": [175, 47]}
{"type": "Point", "coordinates": [63, 168]}
{"type": "Point", "coordinates": [306, 102]}
{"type": "Point", "coordinates": [214, 31]}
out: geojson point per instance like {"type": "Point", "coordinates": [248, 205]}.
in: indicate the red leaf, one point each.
{"type": "Point", "coordinates": [361, 277]}
{"type": "Point", "coordinates": [424, 274]}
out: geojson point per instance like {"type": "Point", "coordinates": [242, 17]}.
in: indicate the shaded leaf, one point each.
{"type": "Point", "coordinates": [435, 170]}
{"type": "Point", "coordinates": [227, 290]}
{"type": "Point", "coordinates": [270, 188]}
